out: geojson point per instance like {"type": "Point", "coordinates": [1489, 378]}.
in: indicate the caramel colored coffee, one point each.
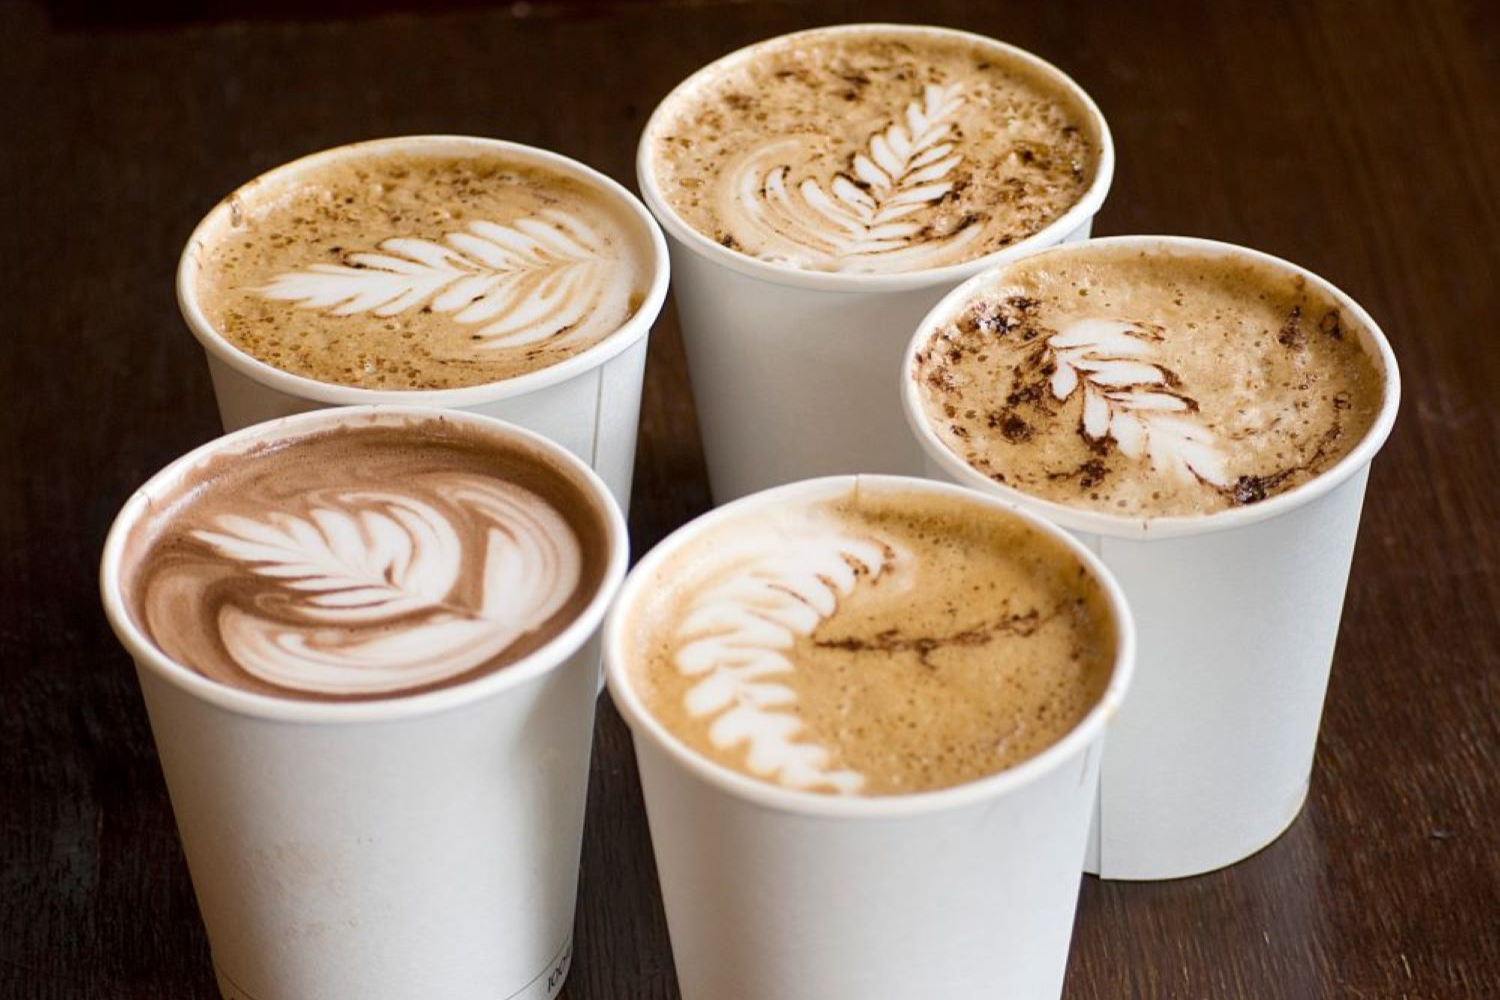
{"type": "Point", "coordinates": [397, 269]}
{"type": "Point", "coordinates": [1149, 383]}
{"type": "Point", "coordinates": [873, 644]}
{"type": "Point", "coordinates": [364, 562]}
{"type": "Point", "coordinates": [873, 148]}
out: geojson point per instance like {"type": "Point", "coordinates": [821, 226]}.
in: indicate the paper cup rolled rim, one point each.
{"type": "Point", "coordinates": [644, 724]}
{"type": "Point", "coordinates": [633, 329]}
{"type": "Point", "coordinates": [398, 706]}
{"type": "Point", "coordinates": [846, 281]}
{"type": "Point", "coordinates": [1120, 526]}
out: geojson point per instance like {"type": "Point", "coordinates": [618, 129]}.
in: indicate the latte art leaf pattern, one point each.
{"type": "Point", "coordinates": [1130, 400]}
{"type": "Point", "coordinates": [735, 636]}
{"type": "Point", "coordinates": [539, 278]}
{"type": "Point", "coordinates": [363, 594]}
{"type": "Point", "coordinates": [862, 217]}
{"type": "Point", "coordinates": [372, 563]}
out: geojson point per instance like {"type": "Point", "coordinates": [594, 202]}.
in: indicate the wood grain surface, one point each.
{"type": "Point", "coordinates": [1359, 139]}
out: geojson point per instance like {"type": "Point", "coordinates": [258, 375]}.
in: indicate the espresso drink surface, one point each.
{"type": "Point", "coordinates": [364, 562]}
{"type": "Point", "coordinates": [1148, 383]}
{"type": "Point", "coordinates": [875, 644]}
{"type": "Point", "coordinates": [884, 150]}
{"type": "Point", "coordinates": [403, 270]}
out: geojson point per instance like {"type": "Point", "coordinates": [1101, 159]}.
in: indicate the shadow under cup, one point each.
{"type": "Point", "coordinates": [589, 402]}
{"type": "Point", "coordinates": [791, 368]}
{"type": "Point", "coordinates": [408, 847]}
{"type": "Point", "coordinates": [775, 894]}
{"type": "Point", "coordinates": [1237, 613]}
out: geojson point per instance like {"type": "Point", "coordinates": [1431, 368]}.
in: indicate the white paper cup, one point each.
{"type": "Point", "coordinates": [588, 403]}
{"type": "Point", "coordinates": [773, 894]}
{"type": "Point", "coordinates": [403, 849]}
{"type": "Point", "coordinates": [791, 367]}
{"type": "Point", "coordinates": [1237, 613]}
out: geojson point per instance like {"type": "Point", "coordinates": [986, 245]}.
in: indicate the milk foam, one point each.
{"type": "Point", "coordinates": [1148, 383]}
{"type": "Point", "coordinates": [868, 219]}
{"type": "Point", "coordinates": [362, 582]}
{"type": "Point", "coordinates": [1129, 401]}
{"type": "Point", "coordinates": [411, 271]}
{"type": "Point", "coordinates": [872, 151]}
{"type": "Point", "coordinates": [790, 571]}
{"type": "Point", "coordinates": [550, 276]}
{"type": "Point", "coordinates": [870, 644]}
{"type": "Point", "coordinates": [363, 602]}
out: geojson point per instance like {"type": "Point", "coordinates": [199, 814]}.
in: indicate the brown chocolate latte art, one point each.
{"type": "Point", "coordinates": [398, 269]}
{"type": "Point", "coordinates": [878, 643]}
{"type": "Point", "coordinates": [364, 561]}
{"type": "Point", "coordinates": [1148, 382]}
{"type": "Point", "coordinates": [873, 148]}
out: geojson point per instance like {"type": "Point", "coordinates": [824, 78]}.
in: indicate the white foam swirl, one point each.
{"type": "Point", "coordinates": [787, 576]}
{"type": "Point", "coordinates": [1131, 400]}
{"type": "Point", "coordinates": [869, 217]}
{"type": "Point", "coordinates": [548, 277]}
{"type": "Point", "coordinates": [370, 588]}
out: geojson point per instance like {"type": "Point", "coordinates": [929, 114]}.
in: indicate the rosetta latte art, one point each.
{"type": "Point", "coordinates": [735, 635]}
{"type": "Point", "coordinates": [864, 219]}
{"type": "Point", "coordinates": [369, 592]}
{"type": "Point", "coordinates": [549, 277]}
{"type": "Point", "coordinates": [1132, 401]}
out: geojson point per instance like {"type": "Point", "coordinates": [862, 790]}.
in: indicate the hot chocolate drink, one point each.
{"type": "Point", "coordinates": [881, 642]}
{"type": "Point", "coordinates": [873, 148]}
{"type": "Point", "coordinates": [394, 268]}
{"type": "Point", "coordinates": [1148, 382]}
{"type": "Point", "coordinates": [364, 561]}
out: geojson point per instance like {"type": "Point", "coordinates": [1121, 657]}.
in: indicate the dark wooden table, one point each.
{"type": "Point", "coordinates": [1359, 139]}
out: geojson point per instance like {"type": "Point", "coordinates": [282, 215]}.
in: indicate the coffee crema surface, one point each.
{"type": "Point", "coordinates": [873, 150]}
{"type": "Point", "coordinates": [1148, 383]}
{"type": "Point", "coordinates": [872, 644]}
{"type": "Point", "coordinates": [364, 562]}
{"type": "Point", "coordinates": [407, 270]}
